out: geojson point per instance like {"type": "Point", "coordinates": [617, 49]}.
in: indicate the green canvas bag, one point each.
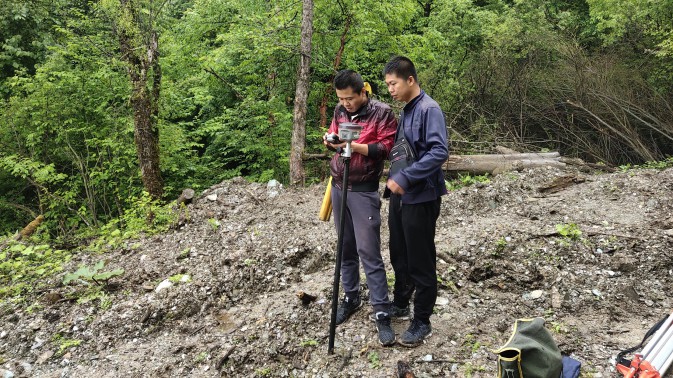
{"type": "Point", "coordinates": [530, 352]}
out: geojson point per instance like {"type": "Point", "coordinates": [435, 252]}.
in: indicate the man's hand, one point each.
{"type": "Point", "coordinates": [358, 148]}
{"type": "Point", "coordinates": [392, 185]}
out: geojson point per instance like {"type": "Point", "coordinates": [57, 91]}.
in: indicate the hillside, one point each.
{"type": "Point", "coordinates": [506, 250]}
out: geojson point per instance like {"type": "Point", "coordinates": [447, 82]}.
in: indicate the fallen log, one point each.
{"type": "Point", "coordinates": [498, 163]}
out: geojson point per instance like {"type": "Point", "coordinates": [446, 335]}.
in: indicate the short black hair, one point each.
{"type": "Point", "coordinates": [400, 66]}
{"type": "Point", "coordinates": [349, 78]}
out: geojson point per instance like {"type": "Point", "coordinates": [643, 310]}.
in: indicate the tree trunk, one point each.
{"type": "Point", "coordinates": [299, 129]}
{"type": "Point", "coordinates": [145, 75]}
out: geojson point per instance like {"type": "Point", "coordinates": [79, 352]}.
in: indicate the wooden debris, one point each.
{"type": "Point", "coordinates": [52, 298]}
{"type": "Point", "coordinates": [404, 370]}
{"type": "Point", "coordinates": [222, 360]}
{"type": "Point", "coordinates": [186, 197]}
{"type": "Point", "coordinates": [306, 298]}
{"type": "Point", "coordinates": [30, 228]}
{"type": "Point", "coordinates": [581, 163]}
{"type": "Point", "coordinates": [561, 183]}
{"type": "Point", "coordinates": [505, 150]}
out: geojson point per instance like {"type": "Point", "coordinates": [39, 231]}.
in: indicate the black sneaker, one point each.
{"type": "Point", "coordinates": [346, 308]}
{"type": "Point", "coordinates": [415, 334]}
{"type": "Point", "coordinates": [386, 333]}
{"type": "Point", "coordinates": [395, 313]}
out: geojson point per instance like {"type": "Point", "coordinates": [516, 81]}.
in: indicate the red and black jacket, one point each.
{"type": "Point", "coordinates": [378, 133]}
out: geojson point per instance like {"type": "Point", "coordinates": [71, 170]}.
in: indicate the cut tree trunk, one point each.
{"type": "Point", "coordinates": [185, 197]}
{"type": "Point", "coordinates": [498, 163]}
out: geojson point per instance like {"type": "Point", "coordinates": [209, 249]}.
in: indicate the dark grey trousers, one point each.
{"type": "Point", "coordinates": [362, 243]}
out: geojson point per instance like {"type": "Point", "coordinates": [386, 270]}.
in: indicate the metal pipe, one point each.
{"type": "Point", "coordinates": [657, 336]}
{"type": "Point", "coordinates": [666, 365]}
{"type": "Point", "coordinates": [662, 350]}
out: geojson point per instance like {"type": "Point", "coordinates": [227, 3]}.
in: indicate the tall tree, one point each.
{"type": "Point", "coordinates": [135, 27]}
{"type": "Point", "coordinates": [301, 94]}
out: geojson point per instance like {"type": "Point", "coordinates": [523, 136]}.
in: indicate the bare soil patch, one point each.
{"type": "Point", "coordinates": [249, 249]}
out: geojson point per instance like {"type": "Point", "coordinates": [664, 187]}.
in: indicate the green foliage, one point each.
{"type": "Point", "coordinates": [201, 357]}
{"type": "Point", "coordinates": [263, 372]}
{"type": "Point", "coordinates": [500, 246]}
{"type": "Point", "coordinates": [471, 343]}
{"type": "Point", "coordinates": [180, 278]}
{"type": "Point", "coordinates": [26, 268]}
{"type": "Point", "coordinates": [569, 231]}
{"type": "Point", "coordinates": [95, 274]}
{"type": "Point", "coordinates": [466, 180]}
{"type": "Point", "coordinates": [374, 360]}
{"type": "Point", "coordinates": [307, 343]}
{"type": "Point", "coordinates": [662, 164]}
{"type": "Point", "coordinates": [64, 343]}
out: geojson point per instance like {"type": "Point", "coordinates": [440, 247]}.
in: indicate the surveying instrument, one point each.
{"type": "Point", "coordinates": [655, 358]}
{"type": "Point", "coordinates": [348, 132]}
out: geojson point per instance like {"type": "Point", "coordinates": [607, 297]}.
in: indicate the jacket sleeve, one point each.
{"type": "Point", "coordinates": [435, 145]}
{"type": "Point", "coordinates": [386, 127]}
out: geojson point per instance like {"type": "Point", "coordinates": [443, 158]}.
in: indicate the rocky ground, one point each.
{"type": "Point", "coordinates": [244, 251]}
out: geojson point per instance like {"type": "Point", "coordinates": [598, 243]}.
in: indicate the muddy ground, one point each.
{"type": "Point", "coordinates": [248, 249]}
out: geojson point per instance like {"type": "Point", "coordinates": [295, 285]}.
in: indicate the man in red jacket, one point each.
{"type": "Point", "coordinates": [362, 233]}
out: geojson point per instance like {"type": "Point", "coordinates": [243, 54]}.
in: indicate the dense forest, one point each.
{"type": "Point", "coordinates": [110, 108]}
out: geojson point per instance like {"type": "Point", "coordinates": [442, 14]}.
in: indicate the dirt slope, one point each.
{"type": "Point", "coordinates": [248, 250]}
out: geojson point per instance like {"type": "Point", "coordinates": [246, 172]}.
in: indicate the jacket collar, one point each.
{"type": "Point", "coordinates": [411, 104]}
{"type": "Point", "coordinates": [360, 113]}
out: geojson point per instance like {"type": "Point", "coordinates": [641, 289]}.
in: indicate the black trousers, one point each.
{"type": "Point", "coordinates": [413, 254]}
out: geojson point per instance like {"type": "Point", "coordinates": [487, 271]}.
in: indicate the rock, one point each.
{"type": "Point", "coordinates": [212, 197]}
{"type": "Point", "coordinates": [3, 334]}
{"type": "Point", "coordinates": [6, 373]}
{"type": "Point", "coordinates": [44, 357]}
{"type": "Point", "coordinates": [165, 284]}
{"type": "Point", "coordinates": [536, 294]}
{"type": "Point", "coordinates": [427, 358]}
{"type": "Point", "coordinates": [37, 344]}
{"type": "Point", "coordinates": [441, 301]}
{"type": "Point", "coordinates": [556, 299]}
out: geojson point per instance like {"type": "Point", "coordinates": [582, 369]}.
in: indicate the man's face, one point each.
{"type": "Point", "coordinates": [399, 87]}
{"type": "Point", "coordinates": [350, 99]}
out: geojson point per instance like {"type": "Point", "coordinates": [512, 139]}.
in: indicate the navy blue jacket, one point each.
{"type": "Point", "coordinates": [425, 129]}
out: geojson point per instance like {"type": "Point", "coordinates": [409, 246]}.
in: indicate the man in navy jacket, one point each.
{"type": "Point", "coordinates": [415, 200]}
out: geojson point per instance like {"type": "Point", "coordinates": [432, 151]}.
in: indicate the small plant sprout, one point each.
{"type": "Point", "coordinates": [569, 231]}
{"type": "Point", "coordinates": [95, 274]}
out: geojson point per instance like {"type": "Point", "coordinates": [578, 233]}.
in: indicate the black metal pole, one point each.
{"type": "Point", "coordinates": [337, 266]}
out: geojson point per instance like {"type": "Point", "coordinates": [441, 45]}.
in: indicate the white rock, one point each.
{"type": "Point", "coordinates": [165, 284]}
{"type": "Point", "coordinates": [185, 278]}
{"type": "Point", "coordinates": [3, 334]}
{"type": "Point", "coordinates": [427, 358]}
{"type": "Point", "coordinates": [6, 373]}
{"type": "Point", "coordinates": [441, 301]}
{"type": "Point", "coordinates": [535, 294]}
{"type": "Point", "coordinates": [212, 197]}
{"type": "Point", "coordinates": [272, 184]}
